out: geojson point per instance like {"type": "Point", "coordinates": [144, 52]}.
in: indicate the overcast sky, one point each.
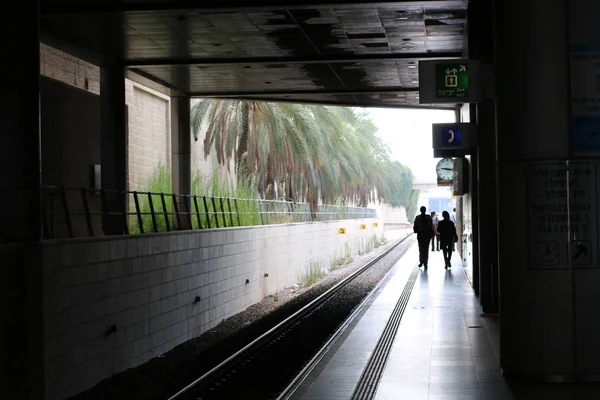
{"type": "Point", "coordinates": [408, 134]}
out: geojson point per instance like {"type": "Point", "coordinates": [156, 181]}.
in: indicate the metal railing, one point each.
{"type": "Point", "coordinates": [68, 212]}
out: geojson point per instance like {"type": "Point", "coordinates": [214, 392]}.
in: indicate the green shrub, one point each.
{"type": "Point", "coordinates": [159, 182]}
{"type": "Point", "coordinates": [311, 274]}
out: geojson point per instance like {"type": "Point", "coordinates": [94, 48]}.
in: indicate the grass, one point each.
{"type": "Point", "coordinates": [312, 273]}
{"type": "Point", "coordinates": [159, 182]}
{"type": "Point", "coordinates": [371, 244]}
{"type": "Point", "coordinates": [345, 257]}
{"type": "Point", "coordinates": [219, 202]}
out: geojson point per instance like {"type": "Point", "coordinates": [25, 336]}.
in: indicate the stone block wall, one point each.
{"type": "Point", "coordinates": [149, 134]}
{"type": "Point", "coordinates": [63, 67]}
{"type": "Point", "coordinates": [149, 126]}
{"type": "Point", "coordinates": [114, 303]}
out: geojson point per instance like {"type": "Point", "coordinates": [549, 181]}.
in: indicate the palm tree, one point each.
{"type": "Point", "coordinates": [317, 153]}
{"type": "Point", "coordinates": [266, 140]}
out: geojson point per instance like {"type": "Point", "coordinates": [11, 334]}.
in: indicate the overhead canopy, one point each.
{"type": "Point", "coordinates": [343, 52]}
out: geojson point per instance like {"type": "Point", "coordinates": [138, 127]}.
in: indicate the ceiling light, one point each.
{"type": "Point", "coordinates": [412, 66]}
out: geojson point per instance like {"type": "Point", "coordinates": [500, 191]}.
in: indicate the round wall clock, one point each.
{"type": "Point", "coordinates": [445, 169]}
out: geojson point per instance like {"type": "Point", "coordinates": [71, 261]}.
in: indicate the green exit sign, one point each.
{"type": "Point", "coordinates": [451, 81]}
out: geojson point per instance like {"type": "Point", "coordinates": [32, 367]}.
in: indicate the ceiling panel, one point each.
{"type": "Point", "coordinates": [346, 46]}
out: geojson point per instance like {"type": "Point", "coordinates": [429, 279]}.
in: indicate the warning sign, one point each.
{"type": "Point", "coordinates": [563, 215]}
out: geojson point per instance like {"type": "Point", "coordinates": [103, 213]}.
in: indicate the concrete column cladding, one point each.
{"type": "Point", "coordinates": [114, 145]}
{"type": "Point", "coordinates": [20, 202]}
{"type": "Point", "coordinates": [480, 48]}
{"type": "Point", "coordinates": [548, 300]}
{"type": "Point", "coordinates": [181, 152]}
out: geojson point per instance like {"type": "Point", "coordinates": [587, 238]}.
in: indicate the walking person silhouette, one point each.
{"type": "Point", "coordinates": [423, 227]}
{"type": "Point", "coordinates": [448, 236]}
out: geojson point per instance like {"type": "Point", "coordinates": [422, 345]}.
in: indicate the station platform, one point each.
{"type": "Point", "coordinates": [439, 347]}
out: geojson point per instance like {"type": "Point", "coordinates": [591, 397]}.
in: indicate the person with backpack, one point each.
{"type": "Point", "coordinates": [423, 227]}
{"type": "Point", "coordinates": [448, 236]}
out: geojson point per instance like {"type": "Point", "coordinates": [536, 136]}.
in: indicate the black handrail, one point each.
{"type": "Point", "coordinates": [83, 212]}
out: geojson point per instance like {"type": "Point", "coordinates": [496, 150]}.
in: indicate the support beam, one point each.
{"type": "Point", "coordinates": [308, 59]}
{"type": "Point", "coordinates": [114, 146]}
{"type": "Point", "coordinates": [181, 148]}
{"type": "Point", "coordinates": [485, 216]}
{"type": "Point", "coordinates": [314, 92]}
{"type": "Point", "coordinates": [61, 7]}
{"type": "Point", "coordinates": [343, 104]}
{"type": "Point", "coordinates": [20, 155]}
{"type": "Point", "coordinates": [546, 333]}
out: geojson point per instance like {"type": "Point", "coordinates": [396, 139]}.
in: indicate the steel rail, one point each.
{"type": "Point", "coordinates": [277, 329]}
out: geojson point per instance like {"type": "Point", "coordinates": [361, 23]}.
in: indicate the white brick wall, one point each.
{"type": "Point", "coordinates": [146, 286]}
{"type": "Point", "coordinates": [148, 123]}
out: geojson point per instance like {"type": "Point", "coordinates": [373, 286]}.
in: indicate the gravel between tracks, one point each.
{"type": "Point", "coordinates": [164, 375]}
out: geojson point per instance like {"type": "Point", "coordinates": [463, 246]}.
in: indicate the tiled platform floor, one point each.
{"type": "Point", "coordinates": [443, 348]}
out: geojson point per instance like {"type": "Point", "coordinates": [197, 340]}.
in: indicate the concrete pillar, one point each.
{"type": "Point", "coordinates": [20, 155]}
{"type": "Point", "coordinates": [548, 301]}
{"type": "Point", "coordinates": [114, 145]}
{"type": "Point", "coordinates": [181, 142]}
{"type": "Point", "coordinates": [474, 189]}
{"type": "Point", "coordinates": [481, 48]}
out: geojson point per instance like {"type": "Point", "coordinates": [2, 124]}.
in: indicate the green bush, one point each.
{"type": "Point", "coordinates": [312, 273]}
{"type": "Point", "coordinates": [223, 203]}
{"type": "Point", "coordinates": [159, 182]}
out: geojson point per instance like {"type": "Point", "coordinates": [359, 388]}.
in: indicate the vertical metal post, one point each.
{"type": "Point", "coordinates": [104, 207]}
{"type": "Point", "coordinates": [86, 209]}
{"type": "Point", "coordinates": [154, 224]}
{"type": "Point", "coordinates": [267, 214]}
{"type": "Point", "coordinates": [124, 211]}
{"type": "Point", "coordinates": [176, 208]}
{"type": "Point", "coordinates": [188, 211]}
{"type": "Point", "coordinates": [164, 206]}
{"type": "Point", "coordinates": [260, 212]}
{"type": "Point", "coordinates": [215, 212]}
{"type": "Point", "coordinates": [230, 213]}
{"type": "Point", "coordinates": [137, 211]}
{"type": "Point", "coordinates": [237, 211]}
{"type": "Point", "coordinates": [206, 212]}
{"type": "Point", "coordinates": [63, 197]}
{"type": "Point", "coordinates": [197, 212]}
{"type": "Point", "coordinates": [223, 212]}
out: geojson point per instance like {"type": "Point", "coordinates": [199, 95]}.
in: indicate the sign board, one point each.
{"type": "Point", "coordinates": [363, 226]}
{"type": "Point", "coordinates": [375, 224]}
{"type": "Point", "coordinates": [585, 100]}
{"type": "Point", "coordinates": [342, 231]}
{"type": "Point", "coordinates": [452, 80]}
{"type": "Point", "coordinates": [449, 81]}
{"type": "Point", "coordinates": [453, 136]}
{"type": "Point", "coordinates": [563, 215]}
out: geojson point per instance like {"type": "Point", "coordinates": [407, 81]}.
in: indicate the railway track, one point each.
{"type": "Point", "coordinates": [268, 365]}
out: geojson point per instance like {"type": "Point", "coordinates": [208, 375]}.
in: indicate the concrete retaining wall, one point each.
{"type": "Point", "coordinates": [13, 324]}
{"type": "Point", "coordinates": [145, 287]}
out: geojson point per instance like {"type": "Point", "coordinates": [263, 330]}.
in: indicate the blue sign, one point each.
{"type": "Point", "coordinates": [585, 133]}
{"type": "Point", "coordinates": [451, 136]}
